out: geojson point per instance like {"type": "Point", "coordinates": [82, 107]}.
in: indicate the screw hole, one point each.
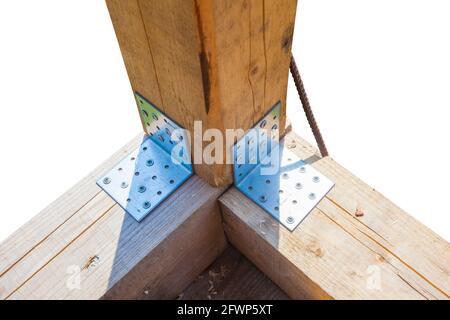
{"type": "Point", "coordinates": [250, 188]}
{"type": "Point", "coordinates": [154, 177]}
{"type": "Point", "coordinates": [172, 181]}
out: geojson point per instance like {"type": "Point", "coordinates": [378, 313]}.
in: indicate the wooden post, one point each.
{"type": "Point", "coordinates": [221, 62]}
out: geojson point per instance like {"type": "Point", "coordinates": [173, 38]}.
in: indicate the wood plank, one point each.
{"type": "Point", "coordinates": [232, 277]}
{"type": "Point", "coordinates": [94, 241]}
{"type": "Point", "coordinates": [223, 62]}
{"type": "Point", "coordinates": [334, 254]}
{"type": "Point", "coordinates": [52, 218]}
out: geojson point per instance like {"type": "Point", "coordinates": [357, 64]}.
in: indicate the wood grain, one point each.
{"type": "Point", "coordinates": [333, 254]}
{"type": "Point", "coordinates": [222, 62]}
{"type": "Point", "coordinates": [232, 277]}
{"type": "Point", "coordinates": [86, 236]}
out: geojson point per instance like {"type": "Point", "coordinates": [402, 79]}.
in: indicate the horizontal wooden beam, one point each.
{"type": "Point", "coordinates": [224, 63]}
{"type": "Point", "coordinates": [355, 245]}
{"type": "Point", "coordinates": [84, 246]}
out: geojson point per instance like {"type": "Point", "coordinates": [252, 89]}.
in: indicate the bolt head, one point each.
{"type": "Point", "coordinates": [107, 180]}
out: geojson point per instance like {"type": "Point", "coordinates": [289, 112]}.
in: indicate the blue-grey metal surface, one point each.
{"type": "Point", "coordinates": [152, 172]}
{"type": "Point", "coordinates": [274, 177]}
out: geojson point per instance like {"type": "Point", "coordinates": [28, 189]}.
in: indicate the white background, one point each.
{"type": "Point", "coordinates": [377, 74]}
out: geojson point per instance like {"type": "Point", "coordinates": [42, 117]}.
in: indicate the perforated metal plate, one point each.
{"type": "Point", "coordinates": [147, 176]}
{"type": "Point", "coordinates": [274, 177]}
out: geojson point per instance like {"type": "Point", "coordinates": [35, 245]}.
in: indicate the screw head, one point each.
{"type": "Point", "coordinates": [316, 179]}
{"type": "Point", "coordinates": [146, 205]}
{"type": "Point", "coordinates": [107, 180]}
{"type": "Point", "coordinates": [263, 198]}
{"type": "Point", "coordinates": [312, 196]}
{"type": "Point", "coordinates": [290, 220]}
{"type": "Point", "coordinates": [150, 162]}
{"type": "Point", "coordinates": [291, 146]}
{"type": "Point", "coordinates": [124, 185]}
{"type": "Point", "coordinates": [302, 170]}
{"type": "Point", "coordinates": [298, 186]}
{"type": "Point", "coordinates": [285, 176]}
{"type": "Point", "coordinates": [142, 189]}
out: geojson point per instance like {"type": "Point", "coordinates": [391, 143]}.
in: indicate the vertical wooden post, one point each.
{"type": "Point", "coordinates": [222, 62]}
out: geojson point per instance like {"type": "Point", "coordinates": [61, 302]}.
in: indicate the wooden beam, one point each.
{"type": "Point", "coordinates": [85, 238]}
{"type": "Point", "coordinates": [232, 277]}
{"type": "Point", "coordinates": [222, 62]}
{"type": "Point", "coordinates": [355, 245]}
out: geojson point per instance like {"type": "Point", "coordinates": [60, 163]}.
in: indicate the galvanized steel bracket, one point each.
{"type": "Point", "coordinates": [273, 176]}
{"type": "Point", "coordinates": [152, 172]}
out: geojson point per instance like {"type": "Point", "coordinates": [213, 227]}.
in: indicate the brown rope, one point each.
{"type": "Point", "coordinates": [307, 107]}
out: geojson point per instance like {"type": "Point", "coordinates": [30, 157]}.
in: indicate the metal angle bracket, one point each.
{"type": "Point", "coordinates": [153, 171]}
{"type": "Point", "coordinates": [273, 176]}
